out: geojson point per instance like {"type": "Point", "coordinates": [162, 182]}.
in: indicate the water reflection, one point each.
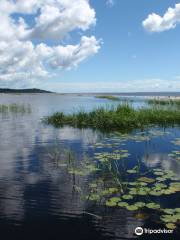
{"type": "Point", "coordinates": [12, 201]}
{"type": "Point", "coordinates": [119, 224]}
{"type": "Point", "coordinates": [35, 187]}
{"type": "Point", "coordinates": [161, 160]}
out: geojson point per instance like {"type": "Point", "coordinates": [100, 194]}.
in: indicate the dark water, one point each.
{"type": "Point", "coordinates": [37, 197]}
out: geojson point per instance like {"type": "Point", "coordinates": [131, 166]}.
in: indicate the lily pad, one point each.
{"type": "Point", "coordinates": [140, 204]}
{"type": "Point", "coordinates": [171, 226]}
{"type": "Point", "coordinates": [156, 193]}
{"type": "Point", "coordinates": [177, 210]}
{"type": "Point", "coordinates": [127, 197]}
{"type": "Point", "coordinates": [168, 211]}
{"type": "Point", "coordinates": [131, 171]}
{"type": "Point", "coordinates": [112, 202]}
{"type": "Point", "coordinates": [153, 205]}
{"type": "Point", "coordinates": [123, 204]}
{"type": "Point", "coordinates": [94, 197]}
{"type": "Point", "coordinates": [132, 207]}
{"type": "Point", "coordinates": [146, 179]}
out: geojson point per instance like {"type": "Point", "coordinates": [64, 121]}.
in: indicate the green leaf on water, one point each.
{"type": "Point", "coordinates": [171, 226]}
{"type": "Point", "coordinates": [146, 180]}
{"type": "Point", "coordinates": [110, 204]}
{"type": "Point", "coordinates": [168, 210]}
{"type": "Point", "coordinates": [160, 185]}
{"type": "Point", "coordinates": [175, 186]}
{"type": "Point", "coordinates": [123, 204]}
{"type": "Point", "coordinates": [140, 204]}
{"type": "Point", "coordinates": [153, 205]}
{"type": "Point", "coordinates": [94, 197]}
{"type": "Point", "coordinates": [161, 179]}
{"type": "Point", "coordinates": [109, 191]}
{"type": "Point", "coordinates": [127, 197]}
{"type": "Point", "coordinates": [155, 193]}
{"type": "Point", "coordinates": [132, 207]}
{"type": "Point", "coordinates": [169, 218]}
{"type": "Point", "coordinates": [132, 183]}
{"type": "Point", "coordinates": [177, 210]}
{"type": "Point", "coordinates": [131, 171]}
{"type": "Point", "coordinates": [142, 193]}
{"type": "Point", "coordinates": [115, 199]}
{"type": "Point", "coordinates": [159, 173]}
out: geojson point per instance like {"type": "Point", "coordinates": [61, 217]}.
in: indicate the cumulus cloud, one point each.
{"type": "Point", "coordinates": [21, 58]}
{"type": "Point", "coordinates": [56, 20]}
{"type": "Point", "coordinates": [156, 23]}
{"type": "Point", "coordinates": [71, 55]}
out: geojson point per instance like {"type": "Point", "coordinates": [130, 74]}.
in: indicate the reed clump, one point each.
{"type": "Point", "coordinates": [109, 97]}
{"type": "Point", "coordinates": [120, 117]}
{"type": "Point", "coordinates": [15, 108]}
{"type": "Point", "coordinates": [164, 102]}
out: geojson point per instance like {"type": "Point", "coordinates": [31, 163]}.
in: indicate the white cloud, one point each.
{"type": "Point", "coordinates": [21, 59]}
{"type": "Point", "coordinates": [156, 23]}
{"type": "Point", "coordinates": [71, 55]}
{"type": "Point", "coordinates": [58, 18]}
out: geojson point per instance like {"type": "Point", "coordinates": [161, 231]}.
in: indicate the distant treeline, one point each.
{"type": "Point", "coordinates": [30, 90]}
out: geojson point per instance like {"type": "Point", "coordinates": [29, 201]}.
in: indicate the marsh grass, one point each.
{"type": "Point", "coordinates": [164, 102]}
{"type": "Point", "coordinates": [109, 97]}
{"type": "Point", "coordinates": [122, 117]}
{"type": "Point", "coordinates": [15, 108]}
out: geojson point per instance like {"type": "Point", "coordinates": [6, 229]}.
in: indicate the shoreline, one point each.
{"type": "Point", "coordinates": [145, 95]}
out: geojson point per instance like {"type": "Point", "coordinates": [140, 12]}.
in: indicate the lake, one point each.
{"type": "Point", "coordinates": [56, 183]}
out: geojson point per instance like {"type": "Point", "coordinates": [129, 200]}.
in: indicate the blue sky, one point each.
{"type": "Point", "coordinates": [129, 52]}
{"type": "Point", "coordinates": [156, 54]}
{"type": "Point", "coordinates": [131, 58]}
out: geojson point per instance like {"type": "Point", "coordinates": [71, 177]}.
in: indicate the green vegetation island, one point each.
{"type": "Point", "coordinates": [122, 117]}
{"type": "Point", "coordinates": [108, 97]}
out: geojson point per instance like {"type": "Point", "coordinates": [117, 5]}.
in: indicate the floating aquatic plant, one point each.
{"type": "Point", "coordinates": [175, 155]}
{"type": "Point", "coordinates": [176, 142]}
{"type": "Point", "coordinates": [146, 180]}
{"type": "Point", "coordinates": [127, 188]}
{"type": "Point", "coordinates": [115, 155]}
{"type": "Point", "coordinates": [136, 195]}
{"type": "Point", "coordinates": [171, 217]}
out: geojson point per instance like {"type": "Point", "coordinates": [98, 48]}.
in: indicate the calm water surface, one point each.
{"type": "Point", "coordinates": [37, 197]}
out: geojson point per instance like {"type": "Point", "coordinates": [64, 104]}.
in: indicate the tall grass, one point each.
{"type": "Point", "coordinates": [122, 117]}
{"type": "Point", "coordinates": [164, 102]}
